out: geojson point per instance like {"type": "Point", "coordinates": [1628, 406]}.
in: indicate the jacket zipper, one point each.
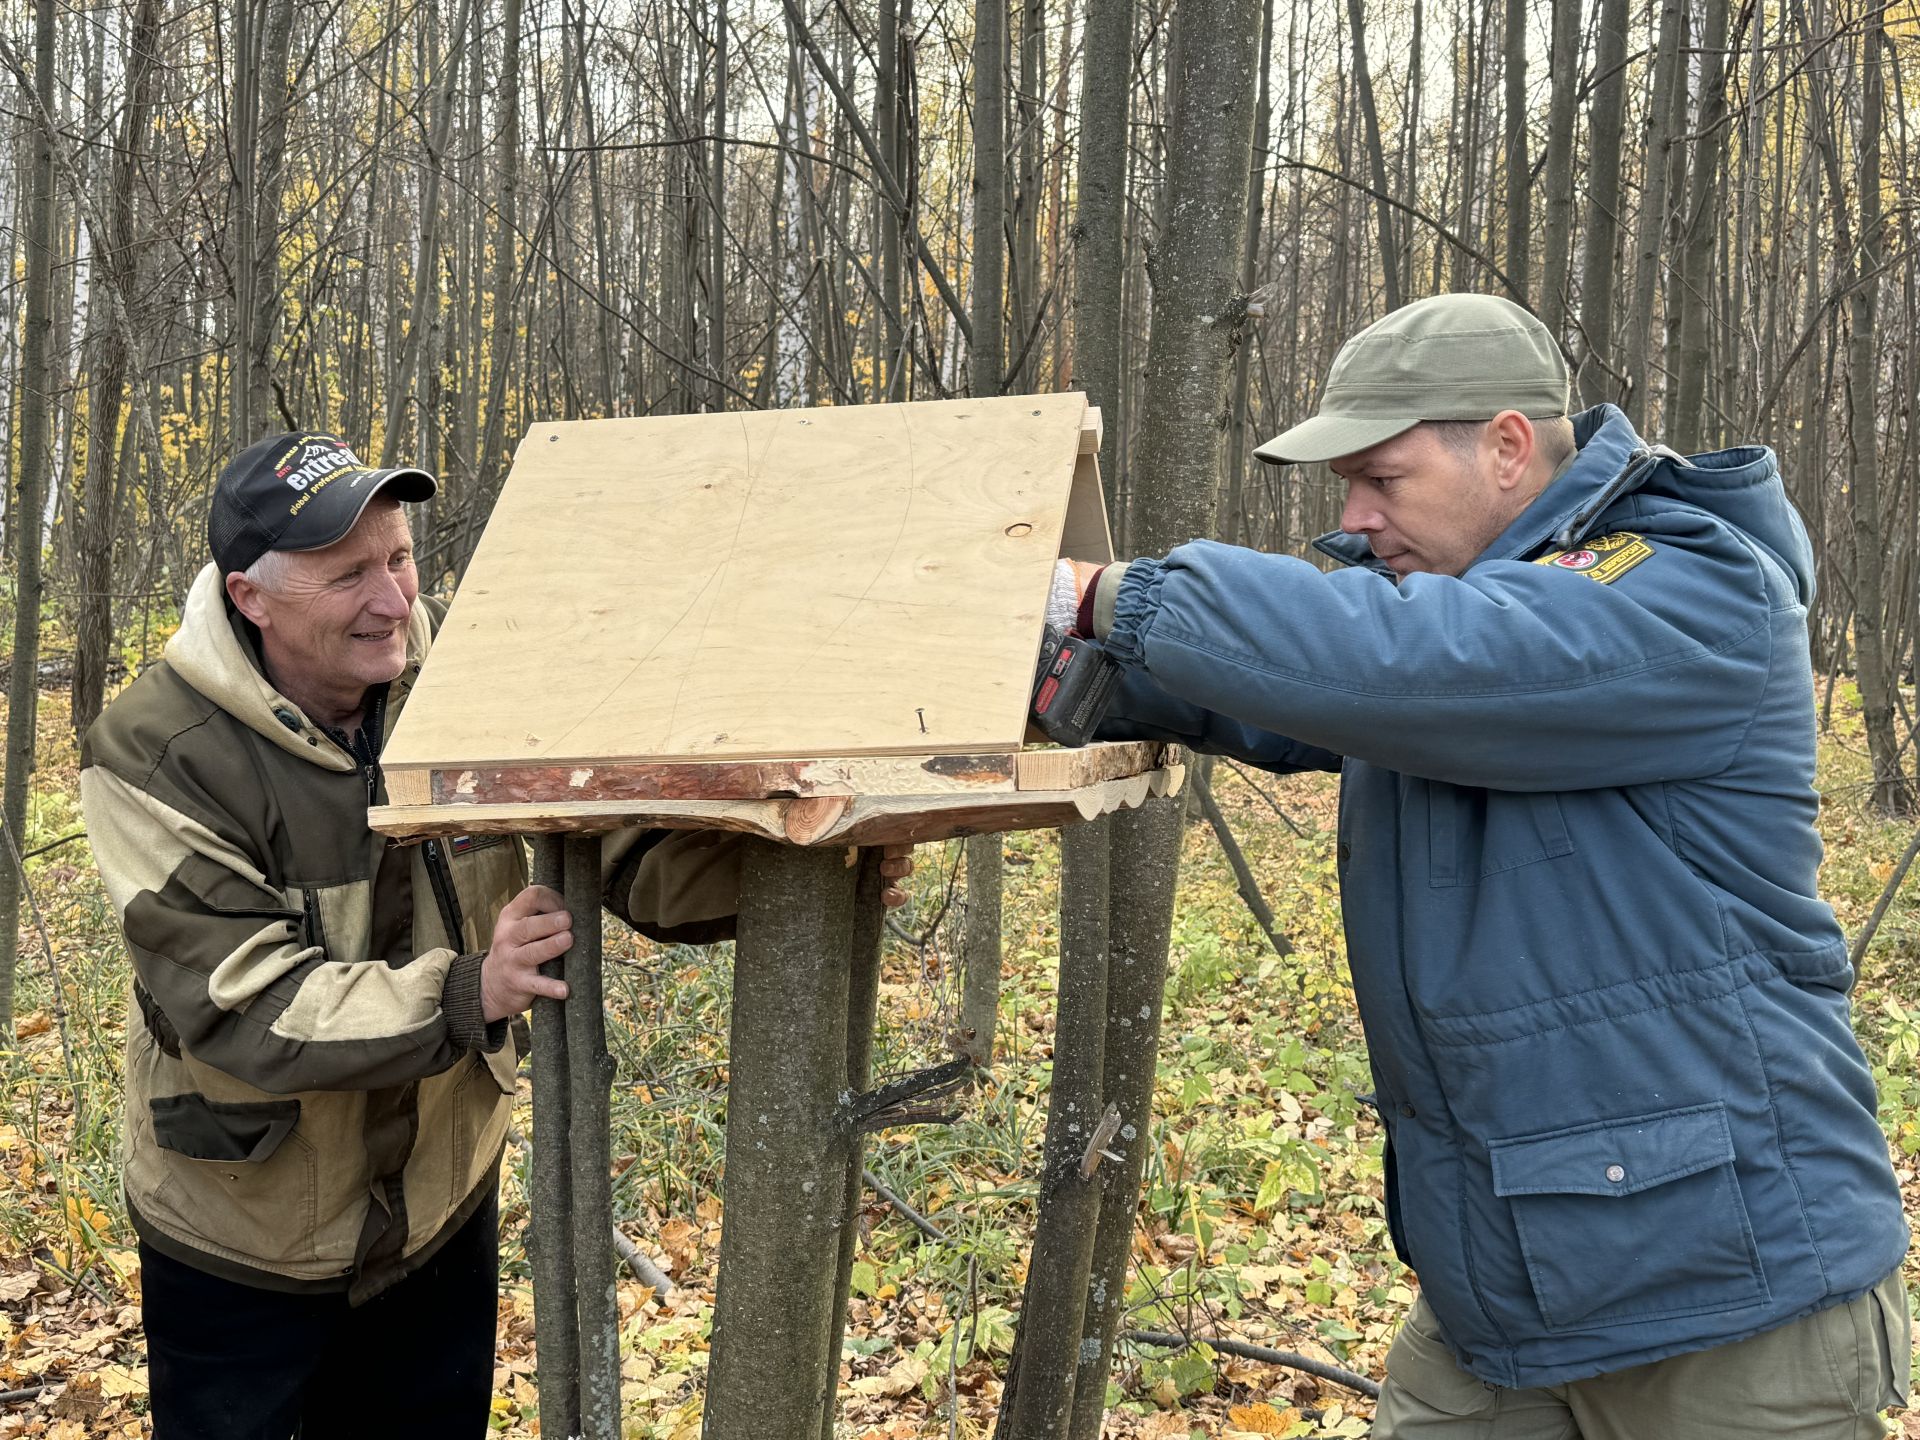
{"type": "Point", "coordinates": [440, 875]}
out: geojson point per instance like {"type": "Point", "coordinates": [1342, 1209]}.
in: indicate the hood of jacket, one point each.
{"type": "Point", "coordinates": [210, 652]}
{"type": "Point", "coordinates": [1741, 486]}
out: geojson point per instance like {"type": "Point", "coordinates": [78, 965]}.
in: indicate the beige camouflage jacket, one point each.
{"type": "Point", "coordinates": [313, 1098]}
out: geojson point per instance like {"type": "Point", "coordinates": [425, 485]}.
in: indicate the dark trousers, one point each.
{"type": "Point", "coordinates": [228, 1361]}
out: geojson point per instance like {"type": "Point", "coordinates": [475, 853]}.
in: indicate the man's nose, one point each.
{"type": "Point", "coordinates": [1359, 516]}
{"type": "Point", "coordinates": [390, 600]}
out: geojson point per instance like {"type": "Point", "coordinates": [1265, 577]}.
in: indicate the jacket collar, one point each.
{"type": "Point", "coordinates": [209, 653]}
{"type": "Point", "coordinates": [1610, 460]}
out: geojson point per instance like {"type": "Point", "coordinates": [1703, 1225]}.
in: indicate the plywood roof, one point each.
{"type": "Point", "coordinates": [840, 582]}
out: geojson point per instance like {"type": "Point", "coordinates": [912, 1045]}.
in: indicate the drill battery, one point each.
{"type": "Point", "coordinates": [1072, 686]}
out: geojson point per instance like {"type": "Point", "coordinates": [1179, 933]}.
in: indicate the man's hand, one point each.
{"type": "Point", "coordinates": [896, 864]}
{"type": "Point", "coordinates": [533, 928]}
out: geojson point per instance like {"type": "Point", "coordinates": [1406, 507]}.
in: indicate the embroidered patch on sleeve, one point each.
{"type": "Point", "coordinates": [1605, 558]}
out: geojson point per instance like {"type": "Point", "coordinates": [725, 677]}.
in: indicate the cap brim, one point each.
{"type": "Point", "coordinates": [331, 520]}
{"type": "Point", "coordinates": [1328, 437]}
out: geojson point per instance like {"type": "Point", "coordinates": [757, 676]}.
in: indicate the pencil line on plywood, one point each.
{"type": "Point", "coordinates": [906, 514]}
{"type": "Point", "coordinates": [733, 549]}
{"type": "Point", "coordinates": [632, 669]}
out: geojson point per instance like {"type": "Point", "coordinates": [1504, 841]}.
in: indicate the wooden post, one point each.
{"type": "Point", "coordinates": [589, 1098]}
{"type": "Point", "coordinates": [550, 1190]}
{"type": "Point", "coordinates": [863, 998]}
{"type": "Point", "coordinates": [787, 1164]}
{"type": "Point", "coordinates": [1140, 917]}
{"type": "Point", "coordinates": [1038, 1402]}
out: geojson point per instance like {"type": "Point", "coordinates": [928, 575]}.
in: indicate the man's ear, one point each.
{"type": "Point", "coordinates": [1514, 445]}
{"type": "Point", "coordinates": [246, 598]}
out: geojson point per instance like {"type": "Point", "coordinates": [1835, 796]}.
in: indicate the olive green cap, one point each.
{"type": "Point", "coordinates": [1451, 357]}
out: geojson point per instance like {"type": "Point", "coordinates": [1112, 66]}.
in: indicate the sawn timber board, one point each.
{"type": "Point", "coordinates": [768, 585]}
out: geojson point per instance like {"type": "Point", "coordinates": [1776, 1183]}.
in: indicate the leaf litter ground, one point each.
{"type": "Point", "coordinates": [1261, 1218]}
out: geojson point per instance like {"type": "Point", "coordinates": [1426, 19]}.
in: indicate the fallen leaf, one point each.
{"type": "Point", "coordinates": [1262, 1419]}
{"type": "Point", "coordinates": [28, 1026]}
{"type": "Point", "coordinates": [18, 1286]}
{"type": "Point", "coordinates": [679, 1240]}
{"type": "Point", "coordinates": [119, 1380]}
{"type": "Point", "coordinates": [81, 1399]}
{"type": "Point", "coordinates": [902, 1379]}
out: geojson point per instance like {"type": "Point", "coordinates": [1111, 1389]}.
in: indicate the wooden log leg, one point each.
{"type": "Point", "coordinates": [590, 1101]}
{"type": "Point", "coordinates": [863, 995]}
{"type": "Point", "coordinates": [1038, 1400]}
{"type": "Point", "coordinates": [550, 1190]}
{"type": "Point", "coordinates": [1145, 867]}
{"type": "Point", "coordinates": [786, 1163]}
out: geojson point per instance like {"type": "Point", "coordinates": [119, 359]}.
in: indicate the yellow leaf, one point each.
{"type": "Point", "coordinates": [902, 1379]}
{"type": "Point", "coordinates": [118, 1380]}
{"type": "Point", "coordinates": [1262, 1419]}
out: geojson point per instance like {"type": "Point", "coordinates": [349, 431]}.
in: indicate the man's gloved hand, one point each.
{"type": "Point", "coordinates": [1071, 581]}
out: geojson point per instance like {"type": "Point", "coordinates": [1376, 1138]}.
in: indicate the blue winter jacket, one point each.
{"type": "Point", "coordinates": [1607, 1011]}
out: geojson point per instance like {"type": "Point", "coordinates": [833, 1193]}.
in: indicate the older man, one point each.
{"type": "Point", "coordinates": [1631, 1142]}
{"type": "Point", "coordinates": [319, 1072]}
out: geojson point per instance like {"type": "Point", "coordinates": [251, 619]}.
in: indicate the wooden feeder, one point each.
{"type": "Point", "coordinates": [818, 627]}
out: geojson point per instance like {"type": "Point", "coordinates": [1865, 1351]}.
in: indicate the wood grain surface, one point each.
{"type": "Point", "coordinates": [866, 580]}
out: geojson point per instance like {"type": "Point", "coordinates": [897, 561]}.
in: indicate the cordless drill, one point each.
{"type": "Point", "coordinates": [1072, 686]}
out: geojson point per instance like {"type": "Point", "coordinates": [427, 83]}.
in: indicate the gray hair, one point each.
{"type": "Point", "coordinates": [269, 572]}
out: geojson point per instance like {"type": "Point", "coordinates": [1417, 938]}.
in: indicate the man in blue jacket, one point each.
{"type": "Point", "coordinates": [1631, 1145]}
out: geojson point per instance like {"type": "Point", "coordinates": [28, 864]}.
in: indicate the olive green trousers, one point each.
{"type": "Point", "coordinates": [1826, 1377]}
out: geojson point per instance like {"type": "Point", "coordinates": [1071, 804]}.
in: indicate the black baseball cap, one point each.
{"type": "Point", "coordinates": [297, 492]}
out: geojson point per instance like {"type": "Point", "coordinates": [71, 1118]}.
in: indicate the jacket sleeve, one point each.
{"type": "Point", "coordinates": [1517, 676]}
{"type": "Point", "coordinates": [1144, 710]}
{"type": "Point", "coordinates": [677, 886]}
{"type": "Point", "coordinates": [222, 954]}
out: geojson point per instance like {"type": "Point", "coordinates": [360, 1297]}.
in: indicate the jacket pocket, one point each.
{"type": "Point", "coordinates": [237, 1133]}
{"type": "Point", "coordinates": [1474, 833]}
{"type": "Point", "coordinates": [1634, 1219]}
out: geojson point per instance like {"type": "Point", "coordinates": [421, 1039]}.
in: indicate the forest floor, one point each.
{"type": "Point", "coordinates": [1261, 1219]}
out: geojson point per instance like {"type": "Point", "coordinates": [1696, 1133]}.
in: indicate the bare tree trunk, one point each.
{"type": "Point", "coordinates": [1038, 1401]}
{"type": "Point", "coordinates": [1557, 243]}
{"type": "Point", "coordinates": [1099, 221]}
{"type": "Point", "coordinates": [29, 500]}
{"type": "Point", "coordinates": [863, 996]}
{"type": "Point", "coordinates": [980, 949]}
{"type": "Point", "coordinates": [787, 1057]}
{"type": "Point", "coordinates": [1668, 72]}
{"type": "Point", "coordinates": [1198, 316]}
{"type": "Point", "coordinates": [988, 360]}
{"type": "Point", "coordinates": [426, 280]}
{"type": "Point", "coordinates": [1705, 223]}
{"type": "Point", "coordinates": [1892, 795]}
{"type": "Point", "coordinates": [589, 1115]}
{"type": "Point", "coordinates": [718, 365]}
{"type": "Point", "coordinates": [550, 1189]}
{"type": "Point", "coordinates": [93, 619]}
{"type": "Point", "coordinates": [263, 36]}
{"type": "Point", "coordinates": [1600, 255]}
{"type": "Point", "coordinates": [1231, 519]}
{"type": "Point", "coordinates": [1519, 212]}
{"type": "Point", "coordinates": [1376, 159]}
